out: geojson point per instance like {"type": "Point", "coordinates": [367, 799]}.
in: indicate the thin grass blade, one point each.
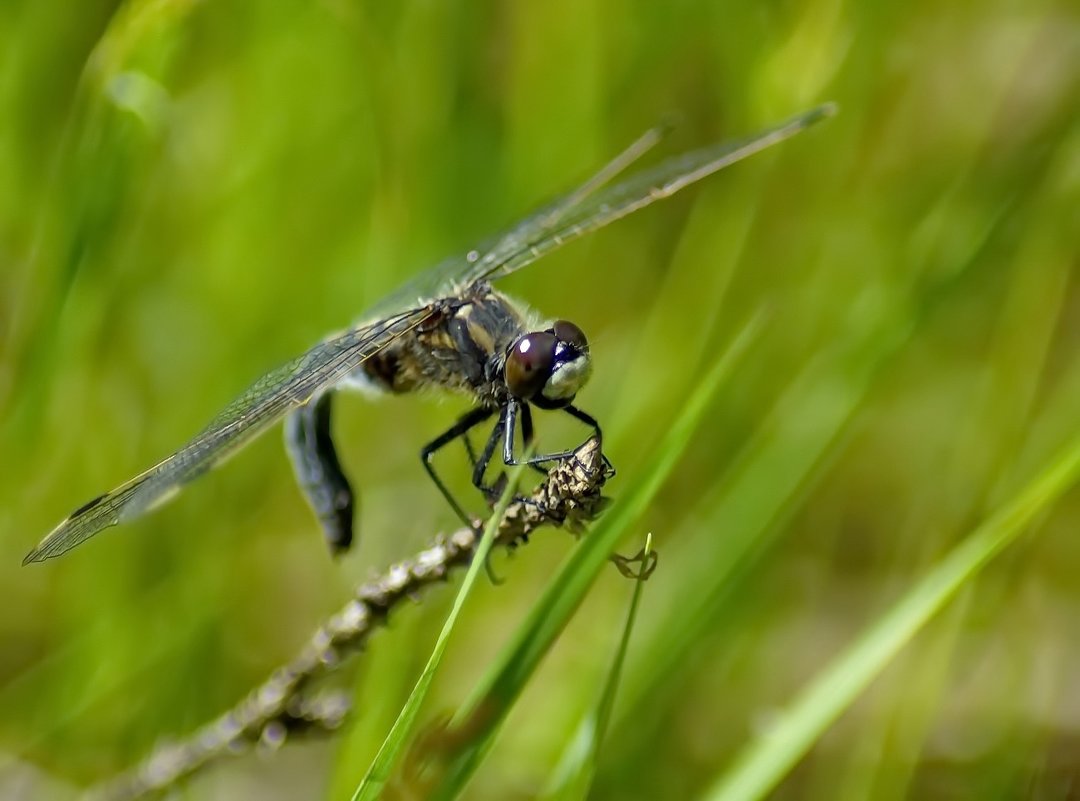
{"type": "Point", "coordinates": [576, 768]}
{"type": "Point", "coordinates": [767, 760]}
{"type": "Point", "coordinates": [400, 735]}
{"type": "Point", "coordinates": [483, 713]}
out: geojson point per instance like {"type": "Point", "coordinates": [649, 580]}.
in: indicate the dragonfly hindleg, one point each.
{"type": "Point", "coordinates": [461, 428]}
{"type": "Point", "coordinates": [481, 464]}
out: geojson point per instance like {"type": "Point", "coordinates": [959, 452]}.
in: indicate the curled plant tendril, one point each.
{"type": "Point", "coordinates": [640, 566]}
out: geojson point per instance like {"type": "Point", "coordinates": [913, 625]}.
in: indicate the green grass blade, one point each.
{"type": "Point", "coordinates": [765, 762]}
{"type": "Point", "coordinates": [574, 774]}
{"type": "Point", "coordinates": [396, 742]}
{"type": "Point", "coordinates": [501, 687]}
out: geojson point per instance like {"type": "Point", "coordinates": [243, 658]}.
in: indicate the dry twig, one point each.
{"type": "Point", "coordinates": [569, 497]}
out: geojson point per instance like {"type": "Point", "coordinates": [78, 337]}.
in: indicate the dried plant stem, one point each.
{"type": "Point", "coordinates": [569, 497]}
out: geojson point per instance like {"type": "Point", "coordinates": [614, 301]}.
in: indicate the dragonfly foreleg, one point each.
{"type": "Point", "coordinates": [510, 423]}
{"type": "Point", "coordinates": [590, 421]}
{"type": "Point", "coordinates": [310, 446]}
{"type": "Point", "coordinates": [527, 434]}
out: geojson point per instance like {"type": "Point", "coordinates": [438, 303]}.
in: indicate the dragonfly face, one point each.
{"type": "Point", "coordinates": [460, 335]}
{"type": "Point", "coordinates": [548, 368]}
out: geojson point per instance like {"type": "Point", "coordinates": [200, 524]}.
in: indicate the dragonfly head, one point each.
{"type": "Point", "coordinates": [548, 368]}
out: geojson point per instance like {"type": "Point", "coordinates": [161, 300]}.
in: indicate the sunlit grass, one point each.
{"type": "Point", "coordinates": [764, 763]}
{"type": "Point", "coordinates": [192, 193]}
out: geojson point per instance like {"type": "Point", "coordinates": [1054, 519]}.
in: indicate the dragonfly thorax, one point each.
{"type": "Point", "coordinates": [462, 347]}
{"type": "Point", "coordinates": [483, 345]}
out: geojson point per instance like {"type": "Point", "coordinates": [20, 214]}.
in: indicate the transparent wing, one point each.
{"type": "Point", "coordinates": [265, 402]}
{"type": "Point", "coordinates": [546, 231]}
{"type": "Point", "coordinates": [588, 208]}
{"type": "Point", "coordinates": [448, 276]}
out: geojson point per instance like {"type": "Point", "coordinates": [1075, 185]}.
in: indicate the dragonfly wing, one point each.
{"type": "Point", "coordinates": [265, 402]}
{"type": "Point", "coordinates": [449, 276]}
{"type": "Point", "coordinates": [587, 208]}
{"type": "Point", "coordinates": [545, 232]}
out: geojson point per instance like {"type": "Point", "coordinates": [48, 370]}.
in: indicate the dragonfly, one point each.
{"type": "Point", "coordinates": [448, 329]}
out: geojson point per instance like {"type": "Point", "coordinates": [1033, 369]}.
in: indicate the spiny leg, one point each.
{"type": "Point", "coordinates": [485, 458]}
{"type": "Point", "coordinates": [480, 464]}
{"type": "Point", "coordinates": [527, 434]}
{"type": "Point", "coordinates": [309, 443]}
{"type": "Point", "coordinates": [510, 422]}
{"type": "Point", "coordinates": [469, 450]}
{"type": "Point", "coordinates": [490, 491]}
{"type": "Point", "coordinates": [468, 421]}
{"type": "Point", "coordinates": [590, 421]}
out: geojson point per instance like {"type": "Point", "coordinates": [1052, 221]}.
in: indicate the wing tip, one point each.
{"type": "Point", "coordinates": [39, 553]}
{"type": "Point", "coordinates": [54, 544]}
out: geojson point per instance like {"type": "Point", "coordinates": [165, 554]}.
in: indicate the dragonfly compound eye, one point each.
{"type": "Point", "coordinates": [565, 331]}
{"type": "Point", "coordinates": [529, 364]}
{"type": "Point", "coordinates": [571, 369]}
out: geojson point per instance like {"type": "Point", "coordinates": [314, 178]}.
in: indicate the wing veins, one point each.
{"type": "Point", "coordinates": [457, 272]}
{"type": "Point", "coordinates": [639, 190]}
{"type": "Point", "coordinates": [281, 389]}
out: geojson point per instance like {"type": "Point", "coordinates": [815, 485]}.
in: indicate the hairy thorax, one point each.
{"type": "Point", "coordinates": [461, 348]}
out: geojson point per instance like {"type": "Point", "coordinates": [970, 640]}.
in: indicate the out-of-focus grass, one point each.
{"type": "Point", "coordinates": [405, 728]}
{"type": "Point", "coordinates": [191, 193]}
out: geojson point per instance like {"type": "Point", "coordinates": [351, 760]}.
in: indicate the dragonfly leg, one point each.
{"type": "Point", "coordinates": [467, 422]}
{"type": "Point", "coordinates": [527, 434]}
{"type": "Point", "coordinates": [480, 466]}
{"type": "Point", "coordinates": [318, 471]}
{"type": "Point", "coordinates": [590, 421]}
{"type": "Point", "coordinates": [469, 450]}
{"type": "Point", "coordinates": [510, 424]}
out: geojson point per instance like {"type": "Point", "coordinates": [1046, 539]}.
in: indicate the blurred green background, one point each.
{"type": "Point", "coordinates": [194, 192]}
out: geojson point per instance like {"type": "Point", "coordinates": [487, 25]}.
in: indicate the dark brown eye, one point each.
{"type": "Point", "coordinates": [567, 332]}
{"type": "Point", "coordinates": [529, 364]}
